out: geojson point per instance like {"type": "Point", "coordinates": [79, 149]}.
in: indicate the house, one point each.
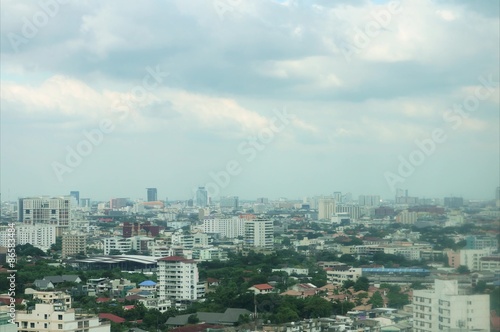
{"type": "Point", "coordinates": [62, 279]}
{"type": "Point", "coordinates": [261, 289]}
{"type": "Point", "coordinates": [43, 284]}
{"type": "Point", "coordinates": [111, 317]}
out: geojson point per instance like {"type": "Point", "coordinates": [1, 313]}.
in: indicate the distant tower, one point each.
{"type": "Point", "coordinates": [76, 195]}
{"type": "Point", "coordinates": [152, 194]}
{"type": "Point", "coordinates": [201, 197]}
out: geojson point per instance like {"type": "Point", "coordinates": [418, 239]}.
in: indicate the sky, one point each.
{"type": "Point", "coordinates": [255, 98]}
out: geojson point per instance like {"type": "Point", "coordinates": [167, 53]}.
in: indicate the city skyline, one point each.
{"type": "Point", "coordinates": [250, 99]}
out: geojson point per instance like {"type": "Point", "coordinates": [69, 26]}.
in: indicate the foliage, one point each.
{"type": "Point", "coordinates": [376, 300]}
{"type": "Point", "coordinates": [362, 284]}
{"type": "Point", "coordinates": [462, 269]}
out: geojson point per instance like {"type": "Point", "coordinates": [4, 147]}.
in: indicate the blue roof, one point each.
{"type": "Point", "coordinates": [148, 283]}
{"type": "Point", "coordinates": [390, 270]}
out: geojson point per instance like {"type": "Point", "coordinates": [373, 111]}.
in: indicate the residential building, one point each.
{"type": "Point", "coordinates": [261, 289]}
{"type": "Point", "coordinates": [489, 263]}
{"type": "Point", "coordinates": [73, 243]}
{"type": "Point", "coordinates": [76, 195]}
{"type": "Point", "coordinates": [406, 217]}
{"type": "Point", "coordinates": [445, 308]}
{"type": "Point", "coordinates": [480, 242]}
{"type": "Point", "coordinates": [293, 270]}
{"type": "Point", "coordinates": [259, 233]}
{"type": "Point", "coordinates": [39, 235]}
{"type": "Point", "coordinates": [44, 210]}
{"type": "Point", "coordinates": [226, 227]}
{"type": "Point", "coordinates": [326, 208]}
{"type": "Point", "coordinates": [453, 202]}
{"type": "Point", "coordinates": [471, 257]}
{"type": "Point", "coordinates": [207, 254]}
{"type": "Point", "coordinates": [354, 211]}
{"type": "Point", "coordinates": [118, 203]}
{"type": "Point", "coordinates": [57, 317]}
{"type": "Point", "coordinates": [229, 202]}
{"type": "Point", "coordinates": [340, 273]}
{"type": "Point", "coordinates": [178, 279]}
{"type": "Point", "coordinates": [201, 199]}
{"type": "Point", "coordinates": [52, 298]}
{"type": "Point", "coordinates": [116, 243]}
{"type": "Point", "coordinates": [369, 200]}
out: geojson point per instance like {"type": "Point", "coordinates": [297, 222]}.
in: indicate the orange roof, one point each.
{"type": "Point", "coordinates": [111, 317]}
{"type": "Point", "coordinates": [262, 286]}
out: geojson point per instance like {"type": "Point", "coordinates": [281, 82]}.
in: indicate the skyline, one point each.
{"type": "Point", "coordinates": [265, 98]}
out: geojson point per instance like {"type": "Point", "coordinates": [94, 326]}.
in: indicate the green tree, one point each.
{"type": "Point", "coordinates": [376, 300]}
{"type": "Point", "coordinates": [462, 269]}
{"type": "Point", "coordinates": [362, 284]}
{"type": "Point", "coordinates": [193, 319]}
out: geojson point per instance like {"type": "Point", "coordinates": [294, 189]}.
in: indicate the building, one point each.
{"type": "Point", "coordinates": [369, 200]}
{"type": "Point", "coordinates": [178, 279]}
{"type": "Point", "coordinates": [472, 257]}
{"type": "Point", "coordinates": [73, 243]}
{"type": "Point", "coordinates": [229, 202]}
{"type": "Point", "coordinates": [261, 289]}
{"type": "Point", "coordinates": [259, 233]}
{"type": "Point", "coordinates": [152, 194]}
{"type": "Point", "coordinates": [489, 263]}
{"type": "Point", "coordinates": [453, 202]}
{"type": "Point", "coordinates": [354, 211]}
{"type": "Point", "coordinates": [76, 196]}
{"type": "Point", "coordinates": [446, 309]}
{"type": "Point", "coordinates": [118, 203]}
{"type": "Point", "coordinates": [57, 317]}
{"type": "Point", "coordinates": [326, 208]}
{"type": "Point", "coordinates": [122, 245]}
{"type": "Point", "coordinates": [201, 199]}
{"type": "Point", "coordinates": [45, 210]}
{"type": "Point", "coordinates": [226, 227]}
{"type": "Point", "coordinates": [406, 217]}
{"type": "Point", "coordinates": [39, 235]}
{"type": "Point", "coordinates": [85, 202]}
{"type": "Point", "coordinates": [6, 322]}
{"type": "Point", "coordinates": [338, 274]}
{"type": "Point", "coordinates": [480, 242]}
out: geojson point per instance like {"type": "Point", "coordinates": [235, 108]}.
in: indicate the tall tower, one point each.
{"type": "Point", "coordinates": [201, 197]}
{"type": "Point", "coordinates": [76, 195]}
{"type": "Point", "coordinates": [326, 208]}
{"type": "Point", "coordinates": [152, 194]}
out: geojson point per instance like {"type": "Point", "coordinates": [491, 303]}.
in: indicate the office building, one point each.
{"type": "Point", "coordinates": [76, 196]}
{"type": "Point", "coordinates": [229, 202]}
{"type": "Point", "coordinates": [178, 279]}
{"type": "Point", "coordinates": [226, 227]}
{"type": "Point", "coordinates": [259, 233]}
{"type": "Point", "coordinates": [45, 210]}
{"type": "Point", "coordinates": [446, 308]}
{"type": "Point", "coordinates": [85, 202]}
{"type": "Point", "coordinates": [353, 211]}
{"type": "Point", "coordinates": [326, 208]}
{"type": "Point", "coordinates": [118, 203]}
{"type": "Point", "coordinates": [201, 198]}
{"type": "Point", "coordinates": [152, 194]}
{"type": "Point", "coordinates": [369, 200]}
{"type": "Point", "coordinates": [73, 243]}
{"type": "Point", "coordinates": [453, 202]}
{"type": "Point", "coordinates": [406, 217]}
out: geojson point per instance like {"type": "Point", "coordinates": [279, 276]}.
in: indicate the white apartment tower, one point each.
{"type": "Point", "coordinates": [227, 227]}
{"type": "Point", "coordinates": [39, 235]}
{"type": "Point", "coordinates": [326, 208]}
{"type": "Point", "coordinates": [445, 309]}
{"type": "Point", "coordinates": [259, 233]}
{"type": "Point", "coordinates": [45, 210]}
{"type": "Point", "coordinates": [178, 279]}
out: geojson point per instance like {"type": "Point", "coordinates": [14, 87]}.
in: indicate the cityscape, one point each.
{"type": "Point", "coordinates": [329, 262]}
{"type": "Point", "coordinates": [250, 166]}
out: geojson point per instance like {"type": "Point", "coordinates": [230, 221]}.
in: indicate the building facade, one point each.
{"type": "Point", "coordinates": [445, 309]}
{"type": "Point", "coordinates": [259, 233]}
{"type": "Point", "coordinates": [73, 244]}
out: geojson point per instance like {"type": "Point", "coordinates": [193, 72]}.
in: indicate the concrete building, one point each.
{"type": "Point", "coordinates": [57, 317]}
{"type": "Point", "coordinates": [178, 279]}
{"type": "Point", "coordinates": [73, 243]}
{"type": "Point", "coordinates": [201, 199]}
{"type": "Point", "coordinates": [229, 202]}
{"type": "Point", "coordinates": [481, 242]}
{"type": "Point", "coordinates": [406, 217]}
{"type": "Point", "coordinates": [227, 227]}
{"type": "Point", "coordinates": [446, 309]}
{"type": "Point", "coordinates": [39, 235]}
{"type": "Point", "coordinates": [123, 245]}
{"type": "Point", "coordinates": [259, 233]}
{"type": "Point", "coordinates": [338, 274]}
{"type": "Point", "coordinates": [45, 210]}
{"type": "Point", "coordinates": [369, 200]}
{"type": "Point", "coordinates": [326, 208]}
{"type": "Point", "coordinates": [472, 257]}
{"type": "Point", "coordinates": [152, 194]}
{"type": "Point", "coordinates": [354, 211]}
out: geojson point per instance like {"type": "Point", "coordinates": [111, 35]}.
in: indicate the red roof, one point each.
{"type": "Point", "coordinates": [262, 286]}
{"type": "Point", "coordinates": [212, 280]}
{"type": "Point", "coordinates": [128, 307]}
{"type": "Point", "coordinates": [6, 300]}
{"type": "Point", "coordinates": [176, 259]}
{"type": "Point", "coordinates": [111, 317]}
{"type": "Point", "coordinates": [102, 299]}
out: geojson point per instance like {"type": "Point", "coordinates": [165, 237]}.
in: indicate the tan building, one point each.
{"type": "Point", "coordinates": [73, 244]}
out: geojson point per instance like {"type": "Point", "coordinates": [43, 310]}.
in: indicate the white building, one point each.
{"type": "Point", "coordinates": [445, 309]}
{"type": "Point", "coordinates": [406, 217]}
{"type": "Point", "coordinates": [227, 227]}
{"type": "Point", "coordinates": [293, 270]}
{"type": "Point", "coordinates": [326, 208]}
{"type": "Point", "coordinates": [178, 279]}
{"type": "Point", "coordinates": [73, 243]}
{"type": "Point", "coordinates": [57, 317]}
{"type": "Point", "coordinates": [123, 245]}
{"type": "Point", "coordinates": [45, 210]}
{"type": "Point", "coordinates": [259, 233]}
{"type": "Point", "coordinates": [472, 257]}
{"type": "Point", "coordinates": [204, 254]}
{"type": "Point", "coordinates": [338, 274]}
{"type": "Point", "coordinates": [39, 235]}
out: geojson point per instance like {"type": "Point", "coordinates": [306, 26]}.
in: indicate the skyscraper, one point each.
{"type": "Point", "coordinates": [201, 197]}
{"type": "Point", "coordinates": [259, 233]}
{"type": "Point", "coordinates": [326, 208]}
{"type": "Point", "coordinates": [45, 210]}
{"type": "Point", "coordinates": [76, 195]}
{"type": "Point", "coordinates": [178, 279]}
{"type": "Point", "coordinates": [152, 194]}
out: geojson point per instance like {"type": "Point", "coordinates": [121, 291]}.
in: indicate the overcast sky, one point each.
{"type": "Point", "coordinates": [278, 98]}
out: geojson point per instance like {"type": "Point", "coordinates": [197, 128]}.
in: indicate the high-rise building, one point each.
{"type": "Point", "coordinates": [226, 227]}
{"type": "Point", "coordinates": [45, 210]}
{"type": "Point", "coordinates": [369, 200]}
{"type": "Point", "coordinates": [453, 202]}
{"type": "Point", "coordinates": [152, 194]}
{"type": "Point", "coordinates": [326, 208]}
{"type": "Point", "coordinates": [118, 203]}
{"type": "Point", "coordinates": [259, 233]}
{"type": "Point", "coordinates": [337, 196]}
{"type": "Point", "coordinates": [73, 243]}
{"type": "Point", "coordinates": [178, 279]}
{"type": "Point", "coordinates": [76, 195]}
{"type": "Point", "coordinates": [85, 202]}
{"type": "Point", "coordinates": [201, 197]}
{"type": "Point", "coordinates": [39, 235]}
{"type": "Point", "coordinates": [229, 202]}
{"type": "Point", "coordinates": [446, 308]}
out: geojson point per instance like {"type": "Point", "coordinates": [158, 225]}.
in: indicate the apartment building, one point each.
{"type": "Point", "coordinates": [446, 309]}
{"type": "Point", "coordinates": [259, 233]}
{"type": "Point", "coordinates": [338, 274]}
{"type": "Point", "coordinates": [39, 235]}
{"type": "Point", "coordinates": [73, 243]}
{"type": "Point", "coordinates": [226, 227]}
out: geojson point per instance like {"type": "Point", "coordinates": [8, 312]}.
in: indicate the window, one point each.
{"type": "Point", "coordinates": [60, 326]}
{"type": "Point", "coordinates": [59, 317]}
{"type": "Point", "coordinates": [32, 325]}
